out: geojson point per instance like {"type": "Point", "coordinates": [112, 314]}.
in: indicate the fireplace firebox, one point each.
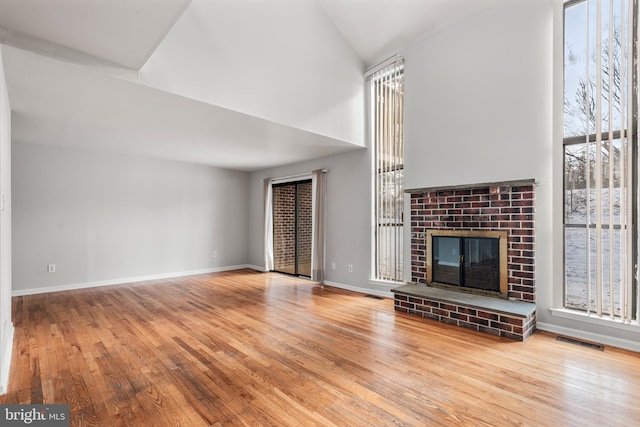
{"type": "Point", "coordinates": [468, 261]}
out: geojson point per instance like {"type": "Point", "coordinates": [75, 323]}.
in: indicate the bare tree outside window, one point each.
{"type": "Point", "coordinates": [597, 154]}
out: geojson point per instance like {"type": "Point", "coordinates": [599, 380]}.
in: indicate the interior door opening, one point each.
{"type": "Point", "coordinates": [292, 227]}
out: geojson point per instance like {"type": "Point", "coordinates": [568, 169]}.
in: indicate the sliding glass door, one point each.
{"type": "Point", "coordinates": [292, 227]}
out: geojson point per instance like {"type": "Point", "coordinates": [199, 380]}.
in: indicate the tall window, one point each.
{"type": "Point", "coordinates": [387, 89]}
{"type": "Point", "coordinates": [600, 155]}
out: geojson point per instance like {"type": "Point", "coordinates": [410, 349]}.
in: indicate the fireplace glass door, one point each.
{"type": "Point", "coordinates": [471, 262]}
{"type": "Point", "coordinates": [446, 260]}
{"type": "Point", "coordinates": [481, 263]}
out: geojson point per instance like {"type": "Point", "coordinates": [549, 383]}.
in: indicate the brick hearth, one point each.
{"type": "Point", "coordinates": [506, 206]}
{"type": "Point", "coordinates": [510, 319]}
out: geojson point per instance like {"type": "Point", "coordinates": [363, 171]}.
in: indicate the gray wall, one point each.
{"type": "Point", "coordinates": [105, 217]}
{"type": "Point", "coordinates": [348, 219]}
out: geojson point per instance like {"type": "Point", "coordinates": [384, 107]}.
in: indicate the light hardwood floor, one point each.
{"type": "Point", "coordinates": [247, 348]}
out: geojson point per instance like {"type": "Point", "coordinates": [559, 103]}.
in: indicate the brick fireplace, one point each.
{"type": "Point", "coordinates": [505, 207]}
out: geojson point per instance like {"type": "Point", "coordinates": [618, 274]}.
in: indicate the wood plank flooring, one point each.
{"type": "Point", "coordinates": [248, 348]}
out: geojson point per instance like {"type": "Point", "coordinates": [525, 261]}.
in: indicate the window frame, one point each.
{"type": "Point", "coordinates": [604, 137]}
{"type": "Point", "coordinates": [393, 67]}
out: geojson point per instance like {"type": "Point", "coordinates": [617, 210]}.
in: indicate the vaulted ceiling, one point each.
{"type": "Point", "coordinates": [123, 33]}
{"type": "Point", "coordinates": [57, 98]}
{"type": "Point", "coordinates": [377, 29]}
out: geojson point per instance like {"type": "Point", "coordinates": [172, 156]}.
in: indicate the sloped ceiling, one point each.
{"type": "Point", "coordinates": [123, 33]}
{"type": "Point", "coordinates": [68, 105]}
{"type": "Point", "coordinates": [378, 29]}
{"type": "Point", "coordinates": [71, 72]}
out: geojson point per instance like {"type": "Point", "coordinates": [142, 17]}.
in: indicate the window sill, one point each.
{"type": "Point", "coordinates": [581, 316]}
{"type": "Point", "coordinates": [388, 283]}
{"type": "Point", "coordinates": [383, 287]}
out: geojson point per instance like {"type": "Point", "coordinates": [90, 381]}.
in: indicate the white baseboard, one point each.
{"type": "Point", "coordinates": [590, 336]}
{"type": "Point", "coordinates": [7, 352]}
{"type": "Point", "coordinates": [261, 269]}
{"type": "Point", "coordinates": [120, 281]}
{"type": "Point", "coordinates": [383, 291]}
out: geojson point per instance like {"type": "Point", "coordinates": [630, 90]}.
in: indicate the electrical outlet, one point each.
{"type": "Point", "coordinates": [51, 268]}
{"type": "Point", "coordinates": [215, 254]}
{"type": "Point", "coordinates": [350, 268]}
{"type": "Point", "coordinates": [333, 265]}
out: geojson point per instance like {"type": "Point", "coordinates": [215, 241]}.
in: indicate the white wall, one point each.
{"type": "Point", "coordinates": [478, 99]}
{"type": "Point", "coordinates": [6, 325]}
{"type": "Point", "coordinates": [108, 217]}
{"type": "Point", "coordinates": [348, 217]}
{"type": "Point", "coordinates": [241, 55]}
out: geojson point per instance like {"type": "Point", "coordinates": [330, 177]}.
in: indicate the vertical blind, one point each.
{"type": "Point", "coordinates": [599, 150]}
{"type": "Point", "coordinates": [387, 88]}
